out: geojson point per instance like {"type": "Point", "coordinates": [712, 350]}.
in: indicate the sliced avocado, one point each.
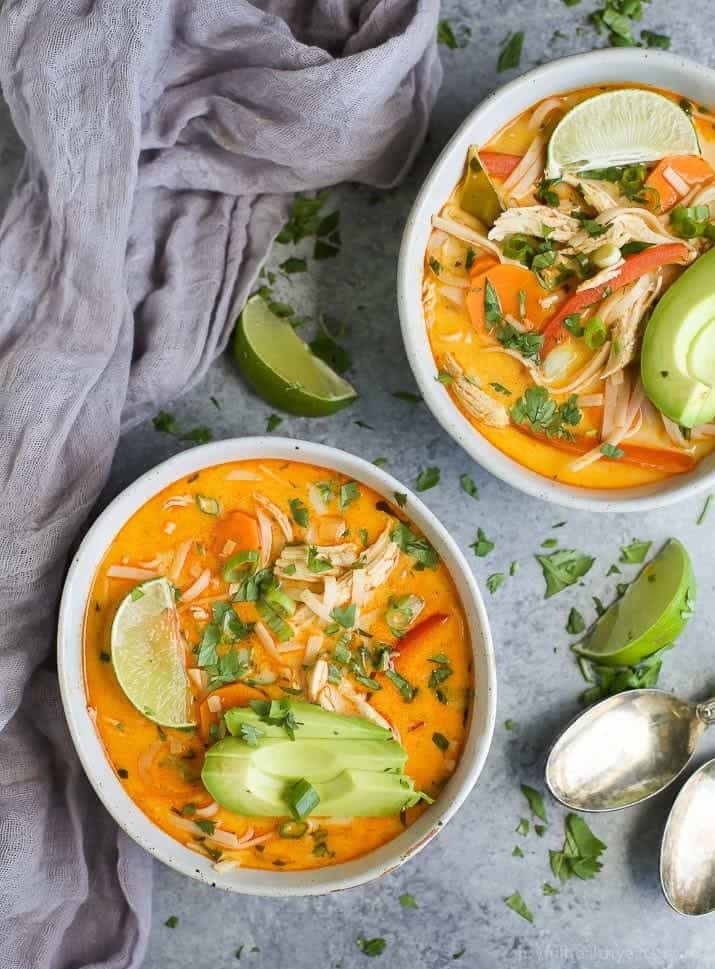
{"type": "Point", "coordinates": [314, 722]}
{"type": "Point", "coordinates": [678, 354]}
{"type": "Point", "coordinates": [477, 195]}
{"type": "Point", "coordinates": [236, 782]}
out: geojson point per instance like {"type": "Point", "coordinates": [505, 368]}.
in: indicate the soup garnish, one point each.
{"type": "Point", "coordinates": [270, 649]}
{"type": "Point", "coordinates": [568, 286]}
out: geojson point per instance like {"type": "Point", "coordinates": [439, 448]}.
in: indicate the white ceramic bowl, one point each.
{"type": "Point", "coordinates": [89, 747]}
{"type": "Point", "coordinates": [695, 82]}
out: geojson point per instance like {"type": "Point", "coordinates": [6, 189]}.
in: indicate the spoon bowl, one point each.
{"type": "Point", "coordinates": [687, 854]}
{"type": "Point", "coordinates": [624, 749]}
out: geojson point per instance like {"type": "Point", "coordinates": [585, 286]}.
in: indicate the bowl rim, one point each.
{"type": "Point", "coordinates": [87, 742]}
{"type": "Point", "coordinates": [564, 74]}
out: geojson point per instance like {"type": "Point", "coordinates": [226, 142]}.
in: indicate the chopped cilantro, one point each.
{"type": "Point", "coordinates": [517, 852]}
{"type": "Point", "coordinates": [522, 827]}
{"type": "Point", "coordinates": [612, 451]}
{"type": "Point", "coordinates": [447, 35]}
{"type": "Point", "coordinates": [580, 854]}
{"type": "Point", "coordinates": [428, 478]}
{"type": "Point", "coordinates": [517, 904]}
{"type": "Point", "coordinates": [576, 623]}
{"type": "Point", "coordinates": [172, 922]}
{"type": "Point", "coordinates": [467, 485]}
{"type": "Point", "coordinates": [344, 615]}
{"type": "Point", "coordinates": [273, 422]}
{"type": "Point", "coordinates": [329, 350]}
{"type": "Point", "coordinates": [407, 396]}
{"type": "Point", "coordinates": [349, 492]}
{"type": "Point", "coordinates": [500, 388]}
{"type": "Point", "coordinates": [371, 947]}
{"type": "Point", "coordinates": [542, 414]}
{"type": "Point", "coordinates": [482, 546]}
{"type": "Point", "coordinates": [634, 553]}
{"type": "Point", "coordinates": [536, 801]}
{"type": "Point", "coordinates": [294, 265]}
{"type": "Point", "coordinates": [419, 548]}
{"type": "Point", "coordinates": [304, 218]}
{"type": "Point", "coordinates": [706, 508]}
{"type": "Point", "coordinates": [495, 581]}
{"type": "Point", "coordinates": [563, 568]}
{"type": "Point", "coordinates": [400, 497]}
{"type": "Point", "coordinates": [510, 54]}
{"type": "Point", "coordinates": [659, 41]}
{"type": "Point", "coordinates": [299, 512]}
{"type": "Point", "coordinates": [439, 740]}
{"type": "Point", "coordinates": [406, 689]}
{"type": "Point", "coordinates": [548, 889]}
{"type": "Point", "coordinates": [408, 901]}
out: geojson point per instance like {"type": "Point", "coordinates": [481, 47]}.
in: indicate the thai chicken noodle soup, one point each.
{"type": "Point", "coordinates": [277, 664]}
{"type": "Point", "coordinates": [569, 287]}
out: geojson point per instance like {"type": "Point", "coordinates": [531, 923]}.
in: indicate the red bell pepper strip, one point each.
{"type": "Point", "coordinates": [633, 267]}
{"type": "Point", "coordinates": [499, 164]}
{"type": "Point", "coordinates": [419, 631]}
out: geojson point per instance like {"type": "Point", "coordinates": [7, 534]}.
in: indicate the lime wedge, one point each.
{"type": "Point", "coordinates": [281, 368]}
{"type": "Point", "coordinates": [652, 613]}
{"type": "Point", "coordinates": [147, 654]}
{"type": "Point", "coordinates": [623, 127]}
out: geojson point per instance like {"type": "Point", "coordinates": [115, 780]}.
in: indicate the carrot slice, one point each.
{"type": "Point", "coordinates": [233, 695]}
{"type": "Point", "coordinates": [498, 163]}
{"type": "Point", "coordinates": [508, 281]}
{"type": "Point", "coordinates": [633, 267]}
{"type": "Point", "coordinates": [655, 459]}
{"type": "Point", "coordinates": [238, 527]}
{"type": "Point", "coordinates": [482, 264]}
{"type": "Point", "coordinates": [693, 169]}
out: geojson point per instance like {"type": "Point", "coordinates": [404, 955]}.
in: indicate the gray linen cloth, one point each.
{"type": "Point", "coordinates": [162, 137]}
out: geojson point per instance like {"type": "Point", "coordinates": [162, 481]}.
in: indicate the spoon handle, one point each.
{"type": "Point", "coordinates": [705, 711]}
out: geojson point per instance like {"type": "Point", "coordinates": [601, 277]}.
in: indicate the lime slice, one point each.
{"type": "Point", "coordinates": [281, 368]}
{"type": "Point", "coordinates": [623, 127]}
{"type": "Point", "coordinates": [147, 654]}
{"type": "Point", "coordinates": [652, 612]}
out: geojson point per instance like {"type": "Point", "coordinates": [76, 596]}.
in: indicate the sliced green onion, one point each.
{"type": "Point", "coordinates": [209, 506]}
{"type": "Point", "coordinates": [402, 612]}
{"type": "Point", "coordinates": [690, 222]}
{"type": "Point", "coordinates": [292, 829]}
{"type": "Point", "coordinates": [606, 255]}
{"type": "Point", "coordinates": [279, 600]}
{"type": "Point", "coordinates": [236, 565]}
{"type": "Point", "coordinates": [301, 798]}
{"type": "Point", "coordinates": [274, 621]}
{"type": "Point", "coordinates": [406, 689]}
{"type": "Point", "coordinates": [595, 333]}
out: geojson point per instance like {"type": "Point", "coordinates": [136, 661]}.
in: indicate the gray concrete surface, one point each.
{"type": "Point", "coordinates": [460, 880]}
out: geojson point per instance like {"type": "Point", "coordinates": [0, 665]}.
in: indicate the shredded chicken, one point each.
{"type": "Point", "coordinates": [531, 220]}
{"type": "Point", "coordinates": [474, 400]}
{"type": "Point", "coordinates": [605, 276]}
{"type": "Point", "coordinates": [295, 559]}
{"type": "Point", "coordinates": [363, 708]}
{"type": "Point", "coordinates": [282, 520]}
{"type": "Point", "coordinates": [595, 193]}
{"type": "Point", "coordinates": [317, 679]}
{"type": "Point", "coordinates": [622, 226]}
{"type": "Point", "coordinates": [625, 312]}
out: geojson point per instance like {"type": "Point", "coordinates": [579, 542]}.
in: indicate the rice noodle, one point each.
{"type": "Point", "coordinates": [609, 404]}
{"type": "Point", "coordinates": [271, 474]}
{"type": "Point", "coordinates": [226, 864]}
{"type": "Point", "coordinates": [463, 232]}
{"type": "Point", "coordinates": [178, 561]}
{"type": "Point", "coordinates": [239, 475]}
{"type": "Point", "coordinates": [196, 587]}
{"type": "Point", "coordinates": [227, 839]}
{"type": "Point", "coordinates": [178, 501]}
{"type": "Point", "coordinates": [704, 430]}
{"type": "Point", "coordinates": [330, 592]}
{"type": "Point", "coordinates": [228, 547]}
{"type": "Point", "coordinates": [130, 572]}
{"type": "Point", "coordinates": [522, 179]}
{"type": "Point", "coordinates": [312, 649]}
{"type": "Point", "coordinates": [265, 534]}
{"type": "Point", "coordinates": [169, 528]}
{"type": "Point", "coordinates": [596, 454]}
{"type": "Point", "coordinates": [518, 325]}
{"type": "Point", "coordinates": [674, 433]}
{"type": "Point", "coordinates": [315, 604]}
{"type": "Point", "coordinates": [591, 400]}
{"type": "Point", "coordinates": [289, 647]}
{"type": "Point", "coordinates": [551, 300]}
{"type": "Point", "coordinates": [543, 111]}
{"type": "Point", "coordinates": [675, 180]}
{"type": "Point", "coordinates": [588, 374]}
{"type": "Point", "coordinates": [620, 411]}
{"type": "Point", "coordinates": [207, 812]}
{"type": "Point", "coordinates": [453, 294]}
{"type": "Point", "coordinates": [263, 633]}
{"type": "Point", "coordinates": [316, 499]}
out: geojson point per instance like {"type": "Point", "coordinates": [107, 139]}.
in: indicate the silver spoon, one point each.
{"type": "Point", "coordinates": [625, 749]}
{"type": "Point", "coordinates": [687, 854]}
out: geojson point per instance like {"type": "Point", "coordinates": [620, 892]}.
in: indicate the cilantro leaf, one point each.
{"type": "Point", "coordinates": [411, 543]}
{"type": "Point", "coordinates": [535, 800]}
{"type": "Point", "coordinates": [634, 553]}
{"type": "Point", "coordinates": [273, 422]}
{"type": "Point", "coordinates": [482, 546]}
{"type": "Point", "coordinates": [299, 512]}
{"type": "Point", "coordinates": [408, 901]}
{"type": "Point", "coordinates": [450, 38]}
{"type": "Point", "coordinates": [468, 486]}
{"type": "Point", "coordinates": [563, 568]}
{"type": "Point", "coordinates": [495, 581]}
{"type": "Point", "coordinates": [371, 947]}
{"type": "Point", "coordinates": [576, 623]}
{"type": "Point", "coordinates": [428, 478]}
{"type": "Point", "coordinates": [349, 492]}
{"type": "Point", "coordinates": [517, 904]}
{"type": "Point", "coordinates": [543, 415]}
{"type": "Point", "coordinates": [510, 54]}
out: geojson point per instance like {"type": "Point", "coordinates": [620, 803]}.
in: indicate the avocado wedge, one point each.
{"type": "Point", "coordinates": [678, 354]}
{"type": "Point", "coordinates": [355, 766]}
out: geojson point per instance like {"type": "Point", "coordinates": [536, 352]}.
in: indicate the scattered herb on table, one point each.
{"type": "Point", "coordinates": [467, 485]}
{"type": "Point", "coordinates": [706, 508]}
{"type": "Point", "coordinates": [428, 478]}
{"type": "Point", "coordinates": [400, 497]}
{"type": "Point", "coordinates": [408, 901]}
{"type": "Point", "coordinates": [563, 568]}
{"type": "Point", "coordinates": [482, 546]}
{"type": "Point", "coordinates": [172, 922]}
{"type": "Point", "coordinates": [522, 827]}
{"type": "Point", "coordinates": [576, 623]}
{"type": "Point", "coordinates": [510, 54]}
{"type": "Point", "coordinates": [535, 801]}
{"type": "Point", "coordinates": [407, 396]}
{"type": "Point", "coordinates": [495, 581]}
{"type": "Point", "coordinates": [454, 39]}
{"type": "Point", "coordinates": [326, 347]}
{"type": "Point", "coordinates": [166, 423]}
{"type": "Point", "coordinates": [658, 41]}
{"type": "Point", "coordinates": [517, 904]}
{"type": "Point", "coordinates": [294, 265]}
{"type": "Point", "coordinates": [548, 889]}
{"type": "Point", "coordinates": [371, 947]}
{"type": "Point", "coordinates": [517, 852]}
{"type": "Point", "coordinates": [610, 680]}
{"type": "Point", "coordinates": [635, 553]}
{"type": "Point", "coordinates": [580, 854]}
{"type": "Point", "coordinates": [273, 422]}
{"type": "Point", "coordinates": [509, 724]}
{"type": "Point", "coordinates": [304, 218]}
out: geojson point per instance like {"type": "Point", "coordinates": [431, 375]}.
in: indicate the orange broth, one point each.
{"type": "Point", "coordinates": [447, 320]}
{"type": "Point", "coordinates": [160, 768]}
